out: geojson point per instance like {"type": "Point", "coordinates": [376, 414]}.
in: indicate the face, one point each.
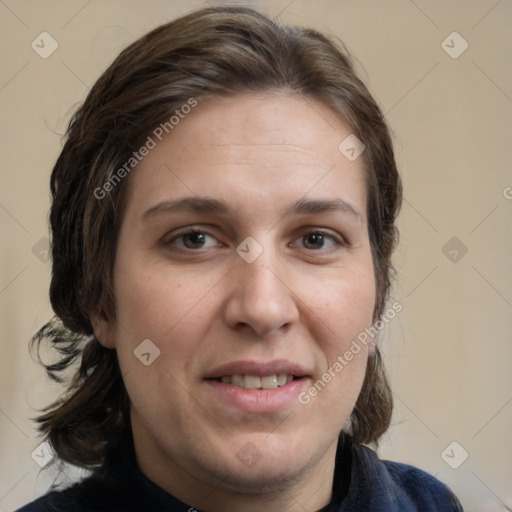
{"type": "Point", "coordinates": [244, 262]}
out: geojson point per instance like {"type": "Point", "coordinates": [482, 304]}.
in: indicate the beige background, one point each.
{"type": "Point", "coordinates": [449, 351]}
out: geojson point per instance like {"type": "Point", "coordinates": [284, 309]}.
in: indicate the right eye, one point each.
{"type": "Point", "coordinates": [195, 239]}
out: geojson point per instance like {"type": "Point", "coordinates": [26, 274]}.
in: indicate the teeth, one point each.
{"type": "Point", "coordinates": [254, 382]}
{"type": "Point", "coordinates": [282, 379]}
{"type": "Point", "coordinates": [251, 382]}
{"type": "Point", "coordinates": [238, 380]}
{"type": "Point", "coordinates": [269, 382]}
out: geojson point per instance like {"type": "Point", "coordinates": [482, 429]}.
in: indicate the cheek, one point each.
{"type": "Point", "coordinates": [156, 329]}
{"type": "Point", "coordinates": [155, 300]}
{"type": "Point", "coordinates": [172, 309]}
{"type": "Point", "coordinates": [344, 305]}
{"type": "Point", "coordinates": [341, 316]}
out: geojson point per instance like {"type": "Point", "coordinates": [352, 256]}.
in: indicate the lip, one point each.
{"type": "Point", "coordinates": [257, 400]}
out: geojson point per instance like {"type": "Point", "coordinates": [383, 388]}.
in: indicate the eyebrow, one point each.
{"type": "Point", "coordinates": [312, 206]}
{"type": "Point", "coordinates": [192, 204]}
{"type": "Point", "coordinates": [195, 204]}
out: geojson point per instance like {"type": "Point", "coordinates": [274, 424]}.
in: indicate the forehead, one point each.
{"type": "Point", "coordinates": [267, 149]}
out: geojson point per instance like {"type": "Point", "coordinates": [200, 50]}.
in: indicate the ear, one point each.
{"type": "Point", "coordinates": [103, 330]}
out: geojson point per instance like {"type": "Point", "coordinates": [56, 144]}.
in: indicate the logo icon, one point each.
{"type": "Point", "coordinates": [454, 45]}
{"type": "Point", "coordinates": [146, 352]}
{"type": "Point", "coordinates": [351, 147]}
{"type": "Point", "coordinates": [249, 455]}
{"type": "Point", "coordinates": [454, 455]}
{"type": "Point", "coordinates": [41, 250]}
{"type": "Point", "coordinates": [454, 249]}
{"type": "Point", "coordinates": [249, 250]}
{"type": "Point", "coordinates": [44, 45]}
{"type": "Point", "coordinates": [43, 454]}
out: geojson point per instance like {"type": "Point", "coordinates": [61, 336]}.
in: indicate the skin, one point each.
{"type": "Point", "coordinates": [304, 299]}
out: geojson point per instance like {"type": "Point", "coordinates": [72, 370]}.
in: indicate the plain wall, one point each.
{"type": "Point", "coordinates": [449, 351]}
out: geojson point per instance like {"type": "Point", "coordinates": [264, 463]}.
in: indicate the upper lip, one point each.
{"type": "Point", "coordinates": [257, 368]}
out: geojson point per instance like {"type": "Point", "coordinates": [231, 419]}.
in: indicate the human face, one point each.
{"type": "Point", "coordinates": [266, 167]}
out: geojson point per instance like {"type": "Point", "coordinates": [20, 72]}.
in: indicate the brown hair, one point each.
{"type": "Point", "coordinates": [210, 52]}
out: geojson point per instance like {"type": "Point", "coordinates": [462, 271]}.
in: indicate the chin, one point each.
{"type": "Point", "coordinates": [266, 479]}
{"type": "Point", "coordinates": [271, 470]}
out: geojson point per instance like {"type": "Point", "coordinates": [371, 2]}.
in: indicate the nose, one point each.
{"type": "Point", "coordinates": [260, 297]}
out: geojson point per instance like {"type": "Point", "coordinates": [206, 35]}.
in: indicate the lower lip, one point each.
{"type": "Point", "coordinates": [258, 400]}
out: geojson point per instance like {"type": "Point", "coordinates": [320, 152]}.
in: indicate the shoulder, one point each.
{"type": "Point", "coordinates": [87, 495]}
{"type": "Point", "coordinates": [422, 487]}
{"type": "Point", "coordinates": [396, 486]}
{"type": "Point", "coordinates": [116, 486]}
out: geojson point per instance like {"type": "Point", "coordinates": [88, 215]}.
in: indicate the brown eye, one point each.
{"type": "Point", "coordinates": [316, 240]}
{"type": "Point", "coordinates": [195, 240]}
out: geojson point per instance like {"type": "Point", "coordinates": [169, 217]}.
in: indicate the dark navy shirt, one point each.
{"type": "Point", "coordinates": [362, 483]}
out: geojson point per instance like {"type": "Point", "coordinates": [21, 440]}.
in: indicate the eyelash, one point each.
{"type": "Point", "coordinates": [338, 241]}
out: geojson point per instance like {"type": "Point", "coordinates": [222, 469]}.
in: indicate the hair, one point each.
{"type": "Point", "coordinates": [211, 52]}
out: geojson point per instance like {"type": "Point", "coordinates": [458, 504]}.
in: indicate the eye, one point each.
{"type": "Point", "coordinates": [316, 240]}
{"type": "Point", "coordinates": [195, 240]}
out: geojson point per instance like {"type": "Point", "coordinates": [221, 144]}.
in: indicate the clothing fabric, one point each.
{"type": "Point", "coordinates": [362, 483]}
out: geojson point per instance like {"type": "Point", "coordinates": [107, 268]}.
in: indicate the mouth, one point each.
{"type": "Point", "coordinates": [257, 387]}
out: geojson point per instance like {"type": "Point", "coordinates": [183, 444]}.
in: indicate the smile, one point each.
{"type": "Point", "coordinates": [257, 382]}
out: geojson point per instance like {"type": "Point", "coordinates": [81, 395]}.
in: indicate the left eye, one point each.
{"type": "Point", "coordinates": [195, 240]}
{"type": "Point", "coordinates": [316, 240]}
